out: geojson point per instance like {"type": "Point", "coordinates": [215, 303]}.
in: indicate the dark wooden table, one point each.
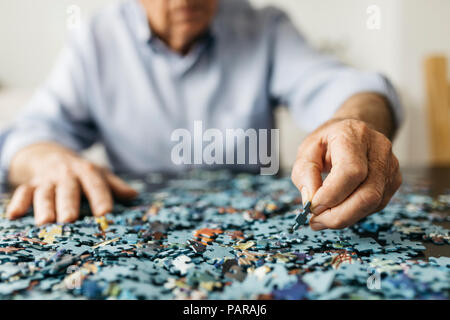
{"type": "Point", "coordinates": [438, 180]}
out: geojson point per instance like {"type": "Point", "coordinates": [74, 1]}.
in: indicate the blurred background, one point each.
{"type": "Point", "coordinates": [391, 36]}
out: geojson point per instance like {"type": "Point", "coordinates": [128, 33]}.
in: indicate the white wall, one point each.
{"type": "Point", "coordinates": [32, 32]}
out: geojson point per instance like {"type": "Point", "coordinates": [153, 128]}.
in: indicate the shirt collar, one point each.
{"type": "Point", "coordinates": [142, 28]}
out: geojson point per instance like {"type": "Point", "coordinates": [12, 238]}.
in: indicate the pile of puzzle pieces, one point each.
{"type": "Point", "coordinates": [217, 235]}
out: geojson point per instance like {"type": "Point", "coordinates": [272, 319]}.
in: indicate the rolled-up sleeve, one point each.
{"type": "Point", "coordinates": [314, 85]}
{"type": "Point", "coordinates": [57, 112]}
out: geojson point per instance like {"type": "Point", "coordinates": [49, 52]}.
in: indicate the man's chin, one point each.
{"type": "Point", "coordinates": [190, 28]}
{"type": "Point", "coordinates": [188, 33]}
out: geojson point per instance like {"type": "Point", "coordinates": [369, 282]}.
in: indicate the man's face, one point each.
{"type": "Point", "coordinates": [179, 22]}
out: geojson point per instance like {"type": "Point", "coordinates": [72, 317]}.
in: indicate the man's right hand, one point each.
{"type": "Point", "coordinates": [51, 178]}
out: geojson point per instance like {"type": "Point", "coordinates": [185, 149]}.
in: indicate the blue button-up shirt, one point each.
{"type": "Point", "coordinates": [117, 83]}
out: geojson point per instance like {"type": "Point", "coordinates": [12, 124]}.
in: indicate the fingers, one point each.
{"type": "Point", "coordinates": [307, 169]}
{"type": "Point", "coordinates": [67, 200]}
{"type": "Point", "coordinates": [395, 181]}
{"type": "Point", "coordinates": [56, 192]}
{"type": "Point", "coordinates": [96, 188]}
{"type": "Point", "coordinates": [44, 204]}
{"type": "Point", "coordinates": [120, 188]}
{"type": "Point", "coordinates": [364, 201]}
{"type": "Point", "coordinates": [20, 202]}
{"type": "Point", "coordinates": [372, 195]}
{"type": "Point", "coordinates": [349, 169]}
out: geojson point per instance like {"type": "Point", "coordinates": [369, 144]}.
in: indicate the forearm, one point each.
{"type": "Point", "coordinates": [371, 108]}
{"type": "Point", "coordinates": [29, 160]}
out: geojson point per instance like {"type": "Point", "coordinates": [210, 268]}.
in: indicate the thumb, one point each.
{"type": "Point", "coordinates": [307, 170]}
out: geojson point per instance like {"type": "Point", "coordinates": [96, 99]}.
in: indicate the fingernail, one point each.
{"type": "Point", "coordinates": [9, 214]}
{"type": "Point", "coordinates": [102, 210]}
{"type": "Point", "coordinates": [317, 226]}
{"type": "Point", "coordinates": [319, 209]}
{"type": "Point", "coordinates": [305, 195]}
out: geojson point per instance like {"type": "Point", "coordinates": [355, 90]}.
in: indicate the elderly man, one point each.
{"type": "Point", "coordinates": [141, 69]}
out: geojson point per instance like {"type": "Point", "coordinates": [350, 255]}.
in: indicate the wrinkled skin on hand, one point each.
{"type": "Point", "coordinates": [56, 185]}
{"type": "Point", "coordinates": [363, 173]}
